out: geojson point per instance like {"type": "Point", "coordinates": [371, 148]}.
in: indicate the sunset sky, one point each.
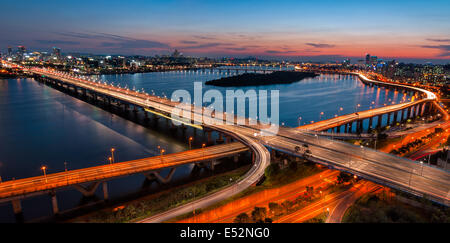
{"type": "Point", "coordinates": [318, 30]}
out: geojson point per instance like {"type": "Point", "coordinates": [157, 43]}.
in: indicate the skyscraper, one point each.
{"type": "Point", "coordinates": [367, 59]}
{"type": "Point", "coordinates": [9, 51]}
{"type": "Point", "coordinates": [57, 53]}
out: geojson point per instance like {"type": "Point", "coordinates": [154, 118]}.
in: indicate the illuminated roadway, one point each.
{"type": "Point", "coordinates": [377, 166]}
{"type": "Point", "coordinates": [40, 184]}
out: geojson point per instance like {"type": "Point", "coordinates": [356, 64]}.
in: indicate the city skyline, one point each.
{"type": "Point", "coordinates": [408, 31]}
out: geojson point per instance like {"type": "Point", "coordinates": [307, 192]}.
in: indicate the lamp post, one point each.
{"type": "Point", "coordinates": [112, 154]}
{"type": "Point", "coordinates": [110, 160]}
{"type": "Point", "coordinates": [203, 151]}
{"type": "Point", "coordinates": [421, 170]}
{"type": "Point", "coordinates": [299, 120]}
{"type": "Point", "coordinates": [162, 153]}
{"type": "Point", "coordinates": [190, 142]}
{"type": "Point", "coordinates": [44, 169]}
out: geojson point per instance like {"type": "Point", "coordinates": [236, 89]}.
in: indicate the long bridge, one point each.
{"type": "Point", "coordinates": [329, 155]}
{"type": "Point", "coordinates": [87, 180]}
{"type": "Point", "coordinates": [386, 169]}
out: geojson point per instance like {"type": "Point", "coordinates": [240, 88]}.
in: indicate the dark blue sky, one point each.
{"type": "Point", "coordinates": [319, 29]}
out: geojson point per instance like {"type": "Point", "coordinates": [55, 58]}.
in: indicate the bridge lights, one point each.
{"type": "Point", "coordinates": [112, 154]}
{"type": "Point", "coordinates": [44, 169]}
{"type": "Point", "coordinates": [190, 142]}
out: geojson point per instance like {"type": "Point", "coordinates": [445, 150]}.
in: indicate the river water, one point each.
{"type": "Point", "coordinates": [42, 126]}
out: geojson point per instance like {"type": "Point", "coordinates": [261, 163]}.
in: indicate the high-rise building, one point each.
{"type": "Point", "coordinates": [367, 59]}
{"type": "Point", "coordinates": [373, 60]}
{"type": "Point", "coordinates": [20, 52]}
{"type": "Point", "coordinates": [9, 51]}
{"type": "Point", "coordinates": [57, 53]}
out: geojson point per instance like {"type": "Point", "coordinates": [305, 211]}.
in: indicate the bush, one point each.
{"type": "Point", "coordinates": [242, 218]}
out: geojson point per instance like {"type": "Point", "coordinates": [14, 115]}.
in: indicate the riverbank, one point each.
{"type": "Point", "coordinates": [256, 79]}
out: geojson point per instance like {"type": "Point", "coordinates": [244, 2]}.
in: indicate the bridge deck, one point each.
{"type": "Point", "coordinates": [31, 185]}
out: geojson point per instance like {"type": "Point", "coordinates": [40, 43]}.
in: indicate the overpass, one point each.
{"type": "Point", "coordinates": [395, 113]}
{"type": "Point", "coordinates": [379, 167]}
{"type": "Point", "coordinates": [87, 180]}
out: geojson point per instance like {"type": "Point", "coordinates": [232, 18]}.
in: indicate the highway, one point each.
{"type": "Point", "coordinates": [361, 115]}
{"type": "Point", "coordinates": [227, 212]}
{"type": "Point", "coordinates": [41, 184]}
{"type": "Point", "coordinates": [377, 166]}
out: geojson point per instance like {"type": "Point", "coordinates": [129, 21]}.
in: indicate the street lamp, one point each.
{"type": "Point", "coordinates": [190, 142]}
{"type": "Point", "coordinates": [299, 120]}
{"type": "Point", "coordinates": [162, 152]}
{"type": "Point", "coordinates": [110, 160]}
{"type": "Point", "coordinates": [421, 170]}
{"type": "Point", "coordinates": [112, 154]}
{"type": "Point", "coordinates": [44, 169]}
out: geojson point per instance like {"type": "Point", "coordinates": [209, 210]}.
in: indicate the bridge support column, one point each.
{"type": "Point", "coordinates": [408, 113]}
{"type": "Point", "coordinates": [220, 139]}
{"type": "Point", "coordinates": [54, 203]}
{"type": "Point", "coordinates": [424, 106]}
{"type": "Point", "coordinates": [17, 209]}
{"type": "Point", "coordinates": [417, 110]}
{"type": "Point", "coordinates": [88, 191]}
{"type": "Point", "coordinates": [402, 115]}
{"type": "Point", "coordinates": [350, 127]}
{"type": "Point", "coordinates": [370, 123]}
{"type": "Point", "coordinates": [389, 119]}
{"type": "Point", "coordinates": [236, 158]}
{"type": "Point", "coordinates": [155, 175]}
{"type": "Point", "coordinates": [394, 122]}
{"type": "Point", "coordinates": [346, 128]}
{"type": "Point", "coordinates": [209, 134]}
{"type": "Point", "coordinates": [380, 118]}
{"type": "Point", "coordinates": [212, 164]}
{"type": "Point", "coordinates": [338, 129]}
{"type": "Point", "coordinates": [105, 190]}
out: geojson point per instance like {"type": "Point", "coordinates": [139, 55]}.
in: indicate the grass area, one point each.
{"type": "Point", "coordinates": [278, 178]}
{"type": "Point", "coordinates": [378, 208]}
{"type": "Point", "coordinates": [140, 209]}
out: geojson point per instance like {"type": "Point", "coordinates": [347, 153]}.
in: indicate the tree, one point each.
{"type": "Point", "coordinates": [287, 205]}
{"type": "Point", "coordinates": [293, 165]}
{"type": "Point", "coordinates": [259, 214]}
{"type": "Point", "coordinates": [275, 209]}
{"type": "Point", "coordinates": [242, 218]}
{"type": "Point", "coordinates": [272, 170]}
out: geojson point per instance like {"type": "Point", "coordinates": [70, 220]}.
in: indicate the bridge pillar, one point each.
{"type": "Point", "coordinates": [380, 118]}
{"type": "Point", "coordinates": [220, 139]}
{"type": "Point", "coordinates": [389, 119]}
{"type": "Point", "coordinates": [54, 202]}
{"type": "Point", "coordinates": [212, 164]}
{"type": "Point", "coordinates": [394, 122]}
{"type": "Point", "coordinates": [338, 129]}
{"type": "Point", "coordinates": [89, 190]}
{"type": "Point", "coordinates": [370, 123]}
{"type": "Point", "coordinates": [209, 134]}
{"type": "Point", "coordinates": [155, 175]}
{"type": "Point", "coordinates": [402, 115]}
{"type": "Point", "coordinates": [408, 113]}
{"type": "Point", "coordinates": [350, 127]}
{"type": "Point", "coordinates": [346, 128]}
{"type": "Point", "coordinates": [358, 126]}
{"type": "Point", "coordinates": [236, 158]}
{"type": "Point", "coordinates": [17, 208]}
{"type": "Point", "coordinates": [417, 110]}
{"type": "Point", "coordinates": [105, 190]}
{"type": "Point", "coordinates": [424, 106]}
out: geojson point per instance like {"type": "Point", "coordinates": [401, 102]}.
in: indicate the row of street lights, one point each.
{"type": "Point", "coordinates": [44, 167]}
